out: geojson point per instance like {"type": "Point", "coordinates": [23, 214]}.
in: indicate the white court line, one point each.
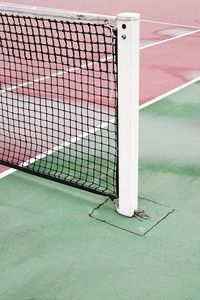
{"type": "Point", "coordinates": [86, 65]}
{"type": "Point", "coordinates": [170, 39]}
{"type": "Point", "coordinates": [59, 147]}
{"type": "Point", "coordinates": [169, 93]}
{"type": "Point", "coordinates": [102, 125]}
{"type": "Point", "coordinates": [15, 87]}
{"type": "Point", "coordinates": [170, 24]}
{"type": "Point", "coordinates": [72, 140]}
{"type": "Point", "coordinates": [7, 172]}
{"type": "Point", "coordinates": [67, 143]}
{"type": "Point", "coordinates": [96, 129]}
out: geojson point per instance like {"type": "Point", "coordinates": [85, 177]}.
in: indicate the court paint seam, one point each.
{"type": "Point", "coordinates": [163, 96]}
{"type": "Point", "coordinates": [59, 147]}
{"type": "Point", "coordinates": [102, 125]}
{"type": "Point", "coordinates": [170, 24]}
{"type": "Point", "coordinates": [93, 130]}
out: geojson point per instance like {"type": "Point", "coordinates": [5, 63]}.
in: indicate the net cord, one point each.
{"type": "Point", "coordinates": [55, 14]}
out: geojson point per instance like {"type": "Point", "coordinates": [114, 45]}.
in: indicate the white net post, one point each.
{"type": "Point", "coordinates": [128, 113]}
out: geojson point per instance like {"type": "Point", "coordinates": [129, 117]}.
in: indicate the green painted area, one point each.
{"type": "Point", "coordinates": [150, 215]}
{"type": "Point", "coordinates": [51, 248]}
{"type": "Point", "coordinates": [183, 104]}
{"type": "Point", "coordinates": [94, 169]}
{"type": "Point", "coordinates": [91, 172]}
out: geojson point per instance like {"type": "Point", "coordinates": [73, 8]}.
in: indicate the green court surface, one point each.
{"type": "Point", "coordinates": [58, 242]}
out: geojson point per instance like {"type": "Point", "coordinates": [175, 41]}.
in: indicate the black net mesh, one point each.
{"type": "Point", "coordinates": [58, 100]}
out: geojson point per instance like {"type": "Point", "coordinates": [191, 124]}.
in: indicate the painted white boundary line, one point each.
{"type": "Point", "coordinates": [170, 24]}
{"type": "Point", "coordinates": [169, 93]}
{"type": "Point", "coordinates": [170, 39]}
{"type": "Point", "coordinates": [74, 139]}
{"type": "Point", "coordinates": [59, 147]}
{"type": "Point", "coordinates": [103, 125]}
{"type": "Point", "coordinates": [69, 70]}
{"type": "Point", "coordinates": [67, 143]}
{"type": "Point", "coordinates": [93, 130]}
{"type": "Point", "coordinates": [7, 172]}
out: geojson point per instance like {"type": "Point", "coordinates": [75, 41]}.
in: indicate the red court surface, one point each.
{"type": "Point", "coordinates": [151, 33]}
{"type": "Point", "coordinates": [157, 10]}
{"type": "Point", "coordinates": [164, 66]}
{"type": "Point", "coordinates": [3, 168]}
{"type": "Point", "coordinates": [169, 65]}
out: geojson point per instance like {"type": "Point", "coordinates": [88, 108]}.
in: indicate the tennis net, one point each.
{"type": "Point", "coordinates": [59, 96]}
